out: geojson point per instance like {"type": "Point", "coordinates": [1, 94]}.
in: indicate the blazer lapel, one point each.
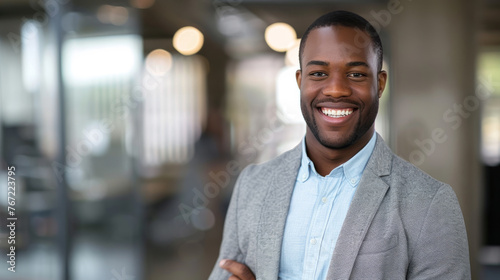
{"type": "Point", "coordinates": [365, 203]}
{"type": "Point", "coordinates": [274, 214]}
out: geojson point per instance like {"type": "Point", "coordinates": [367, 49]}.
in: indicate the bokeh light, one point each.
{"type": "Point", "coordinates": [280, 36]}
{"type": "Point", "coordinates": [115, 15]}
{"type": "Point", "coordinates": [158, 62]}
{"type": "Point", "coordinates": [188, 40]}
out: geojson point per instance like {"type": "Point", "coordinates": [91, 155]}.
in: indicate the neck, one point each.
{"type": "Point", "coordinates": [326, 159]}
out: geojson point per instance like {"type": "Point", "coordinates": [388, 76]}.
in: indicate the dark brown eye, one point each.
{"type": "Point", "coordinates": [318, 74]}
{"type": "Point", "coordinates": [356, 75]}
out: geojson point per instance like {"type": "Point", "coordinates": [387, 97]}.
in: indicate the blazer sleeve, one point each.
{"type": "Point", "coordinates": [230, 247]}
{"type": "Point", "coordinates": [442, 250]}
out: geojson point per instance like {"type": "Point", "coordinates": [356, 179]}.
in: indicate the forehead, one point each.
{"type": "Point", "coordinates": [332, 43]}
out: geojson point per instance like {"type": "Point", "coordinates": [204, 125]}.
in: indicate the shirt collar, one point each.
{"type": "Point", "coordinates": [352, 169]}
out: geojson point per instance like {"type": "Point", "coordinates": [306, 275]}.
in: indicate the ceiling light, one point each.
{"type": "Point", "coordinates": [188, 40]}
{"type": "Point", "coordinates": [158, 62]}
{"type": "Point", "coordinates": [280, 36]}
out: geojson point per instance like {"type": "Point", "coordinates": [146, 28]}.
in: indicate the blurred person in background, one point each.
{"type": "Point", "coordinates": [341, 204]}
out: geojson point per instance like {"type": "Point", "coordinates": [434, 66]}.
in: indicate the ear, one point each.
{"type": "Point", "coordinates": [298, 77]}
{"type": "Point", "coordinates": [382, 79]}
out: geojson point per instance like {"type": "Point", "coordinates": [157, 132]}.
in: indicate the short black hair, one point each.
{"type": "Point", "coordinates": [347, 19]}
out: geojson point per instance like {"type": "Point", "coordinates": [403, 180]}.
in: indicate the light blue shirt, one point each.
{"type": "Point", "coordinates": [317, 211]}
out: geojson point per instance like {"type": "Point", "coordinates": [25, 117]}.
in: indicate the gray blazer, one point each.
{"type": "Point", "coordinates": [402, 223]}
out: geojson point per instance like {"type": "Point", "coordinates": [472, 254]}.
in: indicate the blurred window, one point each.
{"type": "Point", "coordinates": [174, 110]}
{"type": "Point", "coordinates": [99, 75]}
{"type": "Point", "coordinates": [488, 90]}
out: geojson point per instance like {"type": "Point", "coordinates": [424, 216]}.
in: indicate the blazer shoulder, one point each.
{"type": "Point", "coordinates": [412, 179]}
{"type": "Point", "coordinates": [287, 160]}
{"type": "Point", "coordinates": [256, 177]}
{"type": "Point", "coordinates": [398, 173]}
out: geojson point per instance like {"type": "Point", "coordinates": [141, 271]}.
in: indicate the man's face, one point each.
{"type": "Point", "coordinates": [339, 86]}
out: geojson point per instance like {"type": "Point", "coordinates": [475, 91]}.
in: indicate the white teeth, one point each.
{"type": "Point", "coordinates": [336, 113]}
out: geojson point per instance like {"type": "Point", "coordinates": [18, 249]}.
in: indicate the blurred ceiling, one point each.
{"type": "Point", "coordinates": [238, 25]}
{"type": "Point", "coordinates": [489, 34]}
{"type": "Point", "coordinates": [166, 16]}
{"type": "Point", "coordinates": [221, 20]}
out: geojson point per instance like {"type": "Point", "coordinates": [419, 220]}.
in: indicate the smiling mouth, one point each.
{"type": "Point", "coordinates": [336, 113]}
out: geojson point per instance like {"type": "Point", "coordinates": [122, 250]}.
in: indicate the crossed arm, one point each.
{"type": "Point", "coordinates": [231, 266]}
{"type": "Point", "coordinates": [238, 270]}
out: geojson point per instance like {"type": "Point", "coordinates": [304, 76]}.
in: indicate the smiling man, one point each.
{"type": "Point", "coordinates": [341, 205]}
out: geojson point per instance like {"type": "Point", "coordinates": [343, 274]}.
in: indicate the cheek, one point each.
{"type": "Point", "coordinates": [371, 104]}
{"type": "Point", "coordinates": [306, 95]}
{"type": "Point", "coordinates": [310, 90]}
{"type": "Point", "coordinates": [305, 102]}
{"type": "Point", "coordinates": [367, 93]}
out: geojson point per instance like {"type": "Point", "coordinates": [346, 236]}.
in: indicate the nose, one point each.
{"type": "Point", "coordinates": [337, 86]}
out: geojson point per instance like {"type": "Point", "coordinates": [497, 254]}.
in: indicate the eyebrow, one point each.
{"type": "Point", "coordinates": [357, 63]}
{"type": "Point", "coordinates": [318, 62]}
{"type": "Point", "coordinates": [349, 64]}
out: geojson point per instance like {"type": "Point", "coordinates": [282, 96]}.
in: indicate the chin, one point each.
{"type": "Point", "coordinates": [337, 141]}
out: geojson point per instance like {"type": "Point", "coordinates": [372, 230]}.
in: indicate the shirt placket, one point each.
{"type": "Point", "coordinates": [322, 210]}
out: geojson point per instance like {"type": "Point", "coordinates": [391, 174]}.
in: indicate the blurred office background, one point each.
{"type": "Point", "coordinates": [128, 121]}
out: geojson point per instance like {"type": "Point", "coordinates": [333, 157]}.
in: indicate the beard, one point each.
{"type": "Point", "coordinates": [340, 141]}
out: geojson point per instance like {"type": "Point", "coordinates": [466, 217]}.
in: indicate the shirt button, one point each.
{"type": "Point", "coordinates": [324, 200]}
{"type": "Point", "coordinates": [353, 181]}
{"type": "Point", "coordinates": [313, 241]}
{"type": "Point", "coordinates": [304, 177]}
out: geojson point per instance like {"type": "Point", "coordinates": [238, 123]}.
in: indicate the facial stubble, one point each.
{"type": "Point", "coordinates": [360, 128]}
